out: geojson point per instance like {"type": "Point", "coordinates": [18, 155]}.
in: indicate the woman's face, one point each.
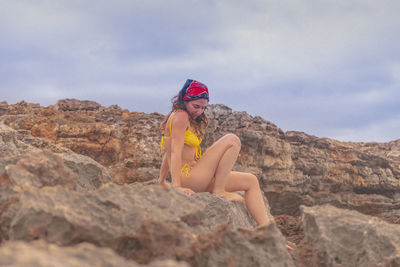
{"type": "Point", "coordinates": [196, 107]}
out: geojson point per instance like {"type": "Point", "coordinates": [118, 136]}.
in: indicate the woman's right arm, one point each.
{"type": "Point", "coordinates": [179, 124]}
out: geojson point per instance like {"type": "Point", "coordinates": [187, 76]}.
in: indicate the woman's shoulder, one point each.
{"type": "Point", "coordinates": [181, 114]}
{"type": "Point", "coordinates": [180, 117]}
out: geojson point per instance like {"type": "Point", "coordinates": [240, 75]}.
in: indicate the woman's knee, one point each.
{"type": "Point", "coordinates": [253, 181]}
{"type": "Point", "coordinates": [233, 139]}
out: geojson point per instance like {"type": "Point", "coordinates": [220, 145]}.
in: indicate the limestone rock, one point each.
{"type": "Point", "coordinates": [74, 104]}
{"type": "Point", "coordinates": [127, 143]}
{"type": "Point", "coordinates": [298, 169]}
{"type": "Point", "coordinates": [8, 197]}
{"type": "Point", "coordinates": [39, 253]}
{"type": "Point", "coordinates": [56, 163]}
{"type": "Point", "coordinates": [342, 237]}
{"type": "Point", "coordinates": [41, 169]}
{"type": "Point", "coordinates": [147, 222]}
{"type": "Point", "coordinates": [23, 156]}
{"type": "Point", "coordinates": [242, 247]}
{"type": "Point", "coordinates": [223, 247]}
{"type": "Point", "coordinates": [294, 168]}
{"type": "Point", "coordinates": [65, 217]}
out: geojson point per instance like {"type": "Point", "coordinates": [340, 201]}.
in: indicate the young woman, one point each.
{"type": "Point", "coordinates": [191, 172]}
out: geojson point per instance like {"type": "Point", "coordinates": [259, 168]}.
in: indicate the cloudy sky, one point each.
{"type": "Point", "coordinates": [330, 68]}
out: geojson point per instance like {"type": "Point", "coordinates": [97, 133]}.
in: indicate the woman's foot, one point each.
{"type": "Point", "coordinates": [230, 196]}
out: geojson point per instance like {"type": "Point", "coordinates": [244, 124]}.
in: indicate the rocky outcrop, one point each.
{"type": "Point", "coordinates": [126, 143]}
{"type": "Point", "coordinates": [40, 253]}
{"type": "Point", "coordinates": [341, 237]}
{"type": "Point", "coordinates": [114, 210]}
{"type": "Point", "coordinates": [46, 196]}
{"type": "Point", "coordinates": [77, 172]}
{"type": "Point", "coordinates": [147, 222]}
{"type": "Point", "coordinates": [45, 163]}
{"type": "Point", "coordinates": [298, 169]}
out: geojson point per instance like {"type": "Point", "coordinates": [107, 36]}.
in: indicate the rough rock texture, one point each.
{"type": "Point", "coordinates": [294, 168]}
{"type": "Point", "coordinates": [40, 253]}
{"type": "Point", "coordinates": [40, 169]}
{"type": "Point", "coordinates": [46, 164]}
{"type": "Point", "coordinates": [147, 222]}
{"type": "Point", "coordinates": [347, 238]}
{"type": "Point", "coordinates": [57, 164]}
{"type": "Point", "coordinates": [67, 216]}
{"type": "Point", "coordinates": [127, 143]}
{"type": "Point", "coordinates": [298, 169]}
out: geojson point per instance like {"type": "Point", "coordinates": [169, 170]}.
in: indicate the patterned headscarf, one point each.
{"type": "Point", "coordinates": [194, 90]}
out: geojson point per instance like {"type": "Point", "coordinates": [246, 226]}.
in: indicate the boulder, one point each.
{"type": "Point", "coordinates": [100, 216]}
{"type": "Point", "coordinates": [32, 161]}
{"type": "Point", "coordinates": [56, 164]}
{"type": "Point", "coordinates": [40, 169]}
{"type": "Point", "coordinates": [40, 253]}
{"type": "Point", "coordinates": [8, 197]}
{"type": "Point", "coordinates": [294, 168]}
{"type": "Point", "coordinates": [147, 222]}
{"type": "Point", "coordinates": [341, 237]}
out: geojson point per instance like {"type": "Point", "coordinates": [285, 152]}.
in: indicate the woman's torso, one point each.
{"type": "Point", "coordinates": [188, 151]}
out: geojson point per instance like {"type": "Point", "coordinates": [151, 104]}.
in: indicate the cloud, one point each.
{"type": "Point", "coordinates": [386, 129]}
{"type": "Point", "coordinates": [323, 67]}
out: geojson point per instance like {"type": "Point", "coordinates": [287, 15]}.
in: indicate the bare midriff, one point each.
{"type": "Point", "coordinates": [188, 153]}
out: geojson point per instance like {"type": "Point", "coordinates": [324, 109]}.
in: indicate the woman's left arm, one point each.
{"type": "Point", "coordinates": [164, 171]}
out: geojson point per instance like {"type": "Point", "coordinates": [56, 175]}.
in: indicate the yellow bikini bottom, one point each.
{"type": "Point", "coordinates": [186, 169]}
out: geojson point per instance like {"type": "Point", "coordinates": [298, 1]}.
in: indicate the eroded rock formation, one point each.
{"type": "Point", "coordinates": [81, 176]}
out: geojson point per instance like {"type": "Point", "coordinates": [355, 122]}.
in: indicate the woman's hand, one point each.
{"type": "Point", "coordinates": [186, 191]}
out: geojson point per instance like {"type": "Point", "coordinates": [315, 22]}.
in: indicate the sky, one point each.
{"type": "Point", "coordinates": [329, 68]}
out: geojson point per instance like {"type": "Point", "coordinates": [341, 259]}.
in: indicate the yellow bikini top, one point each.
{"type": "Point", "coordinates": [191, 139]}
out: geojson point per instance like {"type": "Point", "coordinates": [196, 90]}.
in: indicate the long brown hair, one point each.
{"type": "Point", "coordinates": [199, 124]}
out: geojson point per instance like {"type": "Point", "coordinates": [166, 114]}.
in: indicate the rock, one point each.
{"type": "Point", "coordinates": [41, 169]}
{"type": "Point", "coordinates": [40, 253]}
{"type": "Point", "coordinates": [298, 169]}
{"type": "Point", "coordinates": [8, 197]}
{"type": "Point", "coordinates": [74, 105]}
{"type": "Point", "coordinates": [98, 144]}
{"type": "Point", "coordinates": [263, 246]}
{"type": "Point", "coordinates": [342, 237]}
{"type": "Point", "coordinates": [99, 216]}
{"type": "Point", "coordinates": [3, 107]}
{"type": "Point", "coordinates": [293, 168]}
{"type": "Point", "coordinates": [242, 247]}
{"type": "Point", "coordinates": [127, 143]}
{"type": "Point", "coordinates": [32, 161]}
{"type": "Point", "coordinates": [146, 222]}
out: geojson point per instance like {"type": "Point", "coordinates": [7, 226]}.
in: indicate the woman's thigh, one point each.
{"type": "Point", "coordinates": [203, 172]}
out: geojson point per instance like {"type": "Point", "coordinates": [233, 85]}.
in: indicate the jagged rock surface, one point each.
{"type": "Point", "coordinates": [141, 221]}
{"type": "Point", "coordinates": [100, 216]}
{"type": "Point", "coordinates": [45, 163]}
{"type": "Point", "coordinates": [294, 168]}
{"type": "Point", "coordinates": [40, 253]}
{"type": "Point", "coordinates": [53, 186]}
{"type": "Point", "coordinates": [145, 223]}
{"type": "Point", "coordinates": [127, 143]}
{"type": "Point", "coordinates": [347, 238]}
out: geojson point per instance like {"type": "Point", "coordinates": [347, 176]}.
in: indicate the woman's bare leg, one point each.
{"type": "Point", "coordinates": [224, 168]}
{"type": "Point", "coordinates": [214, 166]}
{"type": "Point", "coordinates": [241, 181]}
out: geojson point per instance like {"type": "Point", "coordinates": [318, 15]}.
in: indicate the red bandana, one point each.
{"type": "Point", "coordinates": [195, 90]}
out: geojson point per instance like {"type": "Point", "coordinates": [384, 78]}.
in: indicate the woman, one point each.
{"type": "Point", "coordinates": [191, 172]}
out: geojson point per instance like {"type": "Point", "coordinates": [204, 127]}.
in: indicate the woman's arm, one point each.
{"type": "Point", "coordinates": [164, 171]}
{"type": "Point", "coordinates": [179, 124]}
